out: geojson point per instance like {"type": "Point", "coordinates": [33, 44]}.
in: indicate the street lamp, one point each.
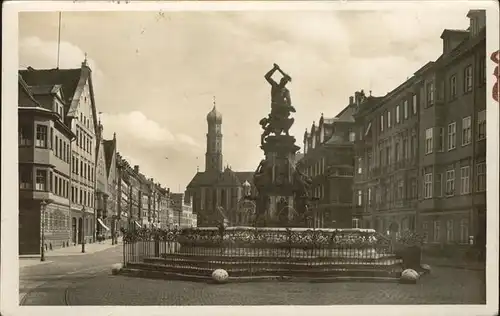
{"type": "Point", "coordinates": [43, 206]}
{"type": "Point", "coordinates": [83, 229]}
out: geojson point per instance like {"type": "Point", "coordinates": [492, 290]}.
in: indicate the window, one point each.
{"type": "Point", "coordinates": [388, 155]}
{"type": "Point", "coordinates": [405, 148]}
{"type": "Point", "coordinates": [430, 93]}
{"type": "Point", "coordinates": [405, 109]}
{"type": "Point", "coordinates": [466, 131]}
{"type": "Point", "coordinates": [452, 133]}
{"type": "Point", "coordinates": [450, 182]}
{"type": "Point", "coordinates": [41, 180]}
{"type": "Point", "coordinates": [449, 230]}
{"type": "Point", "coordinates": [381, 123]}
{"type": "Point", "coordinates": [389, 119]}
{"type": "Point", "coordinates": [81, 168]}
{"type": "Point", "coordinates": [41, 136]}
{"type": "Point", "coordinates": [355, 223]}
{"type": "Point", "coordinates": [414, 104]}
{"type": "Point", "coordinates": [465, 180]}
{"type": "Point", "coordinates": [60, 148]}
{"type": "Point", "coordinates": [428, 141]}
{"type": "Point", "coordinates": [25, 134]}
{"type": "Point", "coordinates": [428, 186]}
{"type": "Point", "coordinates": [425, 230]}
{"type": "Point", "coordinates": [453, 87]}
{"type": "Point", "coordinates": [369, 196]}
{"type": "Point", "coordinates": [400, 190]}
{"type": "Point", "coordinates": [360, 165]}
{"type": "Point", "coordinates": [25, 177]}
{"type": "Point", "coordinates": [352, 137]}
{"type": "Point", "coordinates": [414, 145]}
{"type": "Point", "coordinates": [481, 177]}
{"type": "Point", "coordinates": [439, 185]}
{"type": "Point", "coordinates": [397, 149]}
{"type": "Point", "coordinates": [359, 198]}
{"type": "Point", "coordinates": [56, 185]}
{"type": "Point", "coordinates": [468, 79]}
{"type": "Point", "coordinates": [397, 114]}
{"type": "Point", "coordinates": [413, 188]}
{"type": "Point", "coordinates": [464, 231]}
{"type": "Point", "coordinates": [482, 70]}
{"type": "Point", "coordinates": [440, 140]}
{"type": "Point", "coordinates": [437, 231]}
{"type": "Point", "coordinates": [481, 125]}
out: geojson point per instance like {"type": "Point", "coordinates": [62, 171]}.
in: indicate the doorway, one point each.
{"type": "Point", "coordinates": [73, 230]}
{"type": "Point", "coordinates": [80, 230]}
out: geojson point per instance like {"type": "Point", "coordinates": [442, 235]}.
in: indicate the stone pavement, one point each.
{"type": "Point", "coordinates": [454, 263]}
{"type": "Point", "coordinates": [30, 260]}
{"type": "Point", "coordinates": [442, 286]}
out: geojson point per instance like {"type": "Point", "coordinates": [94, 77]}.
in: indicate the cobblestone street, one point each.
{"type": "Point", "coordinates": [98, 287]}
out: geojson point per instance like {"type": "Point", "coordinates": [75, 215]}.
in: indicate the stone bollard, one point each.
{"type": "Point", "coordinates": [409, 276]}
{"type": "Point", "coordinates": [220, 276]}
{"type": "Point", "coordinates": [116, 268]}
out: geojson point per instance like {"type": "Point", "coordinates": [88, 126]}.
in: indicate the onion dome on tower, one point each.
{"type": "Point", "coordinates": [214, 115]}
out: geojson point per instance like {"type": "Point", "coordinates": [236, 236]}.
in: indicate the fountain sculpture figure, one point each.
{"type": "Point", "coordinates": [282, 188]}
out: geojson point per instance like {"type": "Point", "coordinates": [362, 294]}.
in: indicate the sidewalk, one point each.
{"type": "Point", "coordinates": [454, 263]}
{"type": "Point", "coordinates": [30, 260]}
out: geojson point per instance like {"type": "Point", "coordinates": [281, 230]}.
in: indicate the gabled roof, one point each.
{"type": "Point", "coordinates": [72, 82]}
{"type": "Point", "coordinates": [109, 152]}
{"type": "Point", "coordinates": [23, 88]}
{"type": "Point", "coordinates": [67, 78]}
{"type": "Point", "coordinates": [226, 178]}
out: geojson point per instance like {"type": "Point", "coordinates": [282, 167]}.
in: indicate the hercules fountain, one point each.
{"type": "Point", "coordinates": [279, 245]}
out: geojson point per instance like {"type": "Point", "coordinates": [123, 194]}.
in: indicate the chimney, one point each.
{"type": "Point", "coordinates": [31, 68]}
{"type": "Point", "coordinates": [136, 168]}
{"type": "Point", "coordinates": [351, 100]}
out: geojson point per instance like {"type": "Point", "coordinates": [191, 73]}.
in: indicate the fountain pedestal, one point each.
{"type": "Point", "coordinates": [277, 192]}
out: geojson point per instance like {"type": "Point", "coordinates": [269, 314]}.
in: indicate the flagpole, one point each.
{"type": "Point", "coordinates": [59, 40]}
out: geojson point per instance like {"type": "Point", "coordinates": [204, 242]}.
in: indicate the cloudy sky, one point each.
{"type": "Point", "coordinates": [155, 74]}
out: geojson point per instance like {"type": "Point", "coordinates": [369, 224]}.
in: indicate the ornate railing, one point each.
{"type": "Point", "coordinates": [353, 245]}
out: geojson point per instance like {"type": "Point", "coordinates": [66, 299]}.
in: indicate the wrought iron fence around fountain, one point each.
{"type": "Point", "coordinates": [237, 244]}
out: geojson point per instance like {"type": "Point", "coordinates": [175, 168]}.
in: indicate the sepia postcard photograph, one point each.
{"type": "Point", "coordinates": [235, 157]}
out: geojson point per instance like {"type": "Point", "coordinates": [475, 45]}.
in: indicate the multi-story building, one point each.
{"type": "Point", "coordinates": [101, 192]}
{"type": "Point", "coordinates": [452, 208]}
{"type": "Point", "coordinates": [218, 193]}
{"type": "Point", "coordinates": [421, 149]}
{"type": "Point", "coordinates": [182, 208]}
{"type": "Point", "coordinates": [328, 160]}
{"type": "Point", "coordinates": [386, 160]}
{"type": "Point", "coordinates": [163, 207]}
{"type": "Point", "coordinates": [112, 180]}
{"type": "Point", "coordinates": [124, 191]}
{"type": "Point", "coordinates": [44, 166]}
{"type": "Point", "coordinates": [79, 110]}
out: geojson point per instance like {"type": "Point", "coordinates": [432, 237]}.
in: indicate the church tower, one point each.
{"type": "Point", "coordinates": [213, 157]}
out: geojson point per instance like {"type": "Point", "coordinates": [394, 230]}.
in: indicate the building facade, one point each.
{"type": "Point", "coordinates": [113, 201]}
{"type": "Point", "coordinates": [386, 161]}
{"type": "Point", "coordinates": [101, 192]}
{"type": "Point", "coordinates": [328, 160]}
{"type": "Point", "coordinates": [421, 149]}
{"type": "Point", "coordinates": [218, 194]}
{"type": "Point", "coordinates": [452, 208]}
{"type": "Point", "coordinates": [44, 167]}
{"type": "Point", "coordinates": [79, 110]}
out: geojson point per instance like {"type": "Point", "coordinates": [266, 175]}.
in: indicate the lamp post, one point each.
{"type": "Point", "coordinates": [43, 206]}
{"type": "Point", "coordinates": [83, 229]}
